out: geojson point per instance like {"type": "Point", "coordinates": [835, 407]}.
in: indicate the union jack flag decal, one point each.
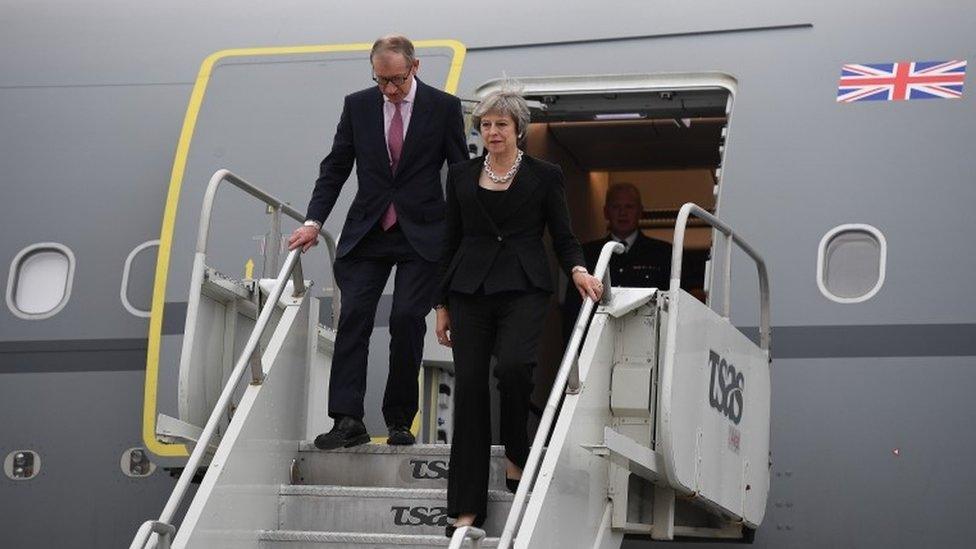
{"type": "Point", "coordinates": [901, 81]}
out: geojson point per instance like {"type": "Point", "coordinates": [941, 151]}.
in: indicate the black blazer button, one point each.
{"type": "Point", "coordinates": [499, 238]}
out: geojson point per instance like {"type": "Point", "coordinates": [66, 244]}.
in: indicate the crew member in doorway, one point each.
{"type": "Point", "coordinates": [399, 134]}
{"type": "Point", "coordinates": [645, 263]}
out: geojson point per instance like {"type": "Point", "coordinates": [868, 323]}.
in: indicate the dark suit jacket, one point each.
{"type": "Point", "coordinates": [435, 134]}
{"type": "Point", "coordinates": [475, 250]}
{"type": "Point", "coordinates": [647, 264]}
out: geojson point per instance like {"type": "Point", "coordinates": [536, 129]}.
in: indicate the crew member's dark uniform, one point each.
{"type": "Point", "coordinates": [646, 264]}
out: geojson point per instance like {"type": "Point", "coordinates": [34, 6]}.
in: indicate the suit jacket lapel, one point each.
{"type": "Point", "coordinates": [470, 187]}
{"type": "Point", "coordinates": [472, 176]}
{"type": "Point", "coordinates": [376, 131]}
{"type": "Point", "coordinates": [468, 192]}
{"type": "Point", "coordinates": [418, 121]}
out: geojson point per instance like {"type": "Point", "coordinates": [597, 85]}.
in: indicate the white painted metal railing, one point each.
{"type": "Point", "coordinates": [467, 532]}
{"type": "Point", "coordinates": [163, 526]}
{"type": "Point", "coordinates": [203, 231]}
{"type": "Point", "coordinates": [250, 356]}
{"type": "Point", "coordinates": [730, 238]}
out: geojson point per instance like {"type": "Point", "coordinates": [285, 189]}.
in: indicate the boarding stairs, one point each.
{"type": "Point", "coordinates": [657, 425]}
{"type": "Point", "coordinates": [376, 496]}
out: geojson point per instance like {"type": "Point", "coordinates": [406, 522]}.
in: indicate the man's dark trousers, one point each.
{"type": "Point", "coordinates": [361, 276]}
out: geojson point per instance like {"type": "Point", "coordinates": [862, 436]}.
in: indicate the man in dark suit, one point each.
{"type": "Point", "coordinates": [646, 263]}
{"type": "Point", "coordinates": [399, 134]}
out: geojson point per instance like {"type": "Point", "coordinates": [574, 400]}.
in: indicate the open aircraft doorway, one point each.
{"type": "Point", "coordinates": [664, 134]}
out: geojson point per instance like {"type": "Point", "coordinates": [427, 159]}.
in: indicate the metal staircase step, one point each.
{"type": "Point", "coordinates": [417, 466]}
{"type": "Point", "coordinates": [304, 539]}
{"type": "Point", "coordinates": [377, 510]}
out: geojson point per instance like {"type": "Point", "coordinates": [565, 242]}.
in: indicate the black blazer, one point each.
{"type": "Point", "coordinates": [474, 249]}
{"type": "Point", "coordinates": [435, 134]}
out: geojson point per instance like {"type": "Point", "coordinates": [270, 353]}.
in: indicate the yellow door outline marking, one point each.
{"type": "Point", "coordinates": [173, 195]}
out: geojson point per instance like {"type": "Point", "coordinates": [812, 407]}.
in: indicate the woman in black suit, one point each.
{"type": "Point", "coordinates": [495, 293]}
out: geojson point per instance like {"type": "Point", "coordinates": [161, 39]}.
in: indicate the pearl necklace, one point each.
{"type": "Point", "coordinates": [500, 180]}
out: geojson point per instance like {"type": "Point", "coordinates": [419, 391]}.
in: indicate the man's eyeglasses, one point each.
{"type": "Point", "coordinates": [395, 80]}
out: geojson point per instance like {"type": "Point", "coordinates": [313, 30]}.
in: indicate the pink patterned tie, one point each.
{"type": "Point", "coordinates": [394, 140]}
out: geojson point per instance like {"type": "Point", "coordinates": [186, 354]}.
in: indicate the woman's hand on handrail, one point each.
{"type": "Point", "coordinates": [305, 236]}
{"type": "Point", "coordinates": [443, 327]}
{"type": "Point", "coordinates": [588, 285]}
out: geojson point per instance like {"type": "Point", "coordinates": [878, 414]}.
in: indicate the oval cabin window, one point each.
{"type": "Point", "coordinates": [851, 263]}
{"type": "Point", "coordinates": [39, 284]}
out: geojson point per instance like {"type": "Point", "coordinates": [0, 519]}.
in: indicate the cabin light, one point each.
{"type": "Point", "coordinates": [619, 116]}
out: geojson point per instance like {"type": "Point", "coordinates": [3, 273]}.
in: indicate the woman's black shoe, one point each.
{"type": "Point", "coordinates": [512, 484]}
{"type": "Point", "coordinates": [479, 521]}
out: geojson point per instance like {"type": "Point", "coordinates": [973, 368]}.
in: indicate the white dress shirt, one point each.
{"type": "Point", "coordinates": [628, 241]}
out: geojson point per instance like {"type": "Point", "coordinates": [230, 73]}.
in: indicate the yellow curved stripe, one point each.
{"type": "Point", "coordinates": [173, 196]}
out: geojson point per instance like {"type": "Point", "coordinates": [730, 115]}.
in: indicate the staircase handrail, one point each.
{"type": "Point", "coordinates": [731, 237]}
{"type": "Point", "coordinates": [291, 268]}
{"type": "Point", "coordinates": [249, 356]}
{"type": "Point", "coordinates": [203, 231]}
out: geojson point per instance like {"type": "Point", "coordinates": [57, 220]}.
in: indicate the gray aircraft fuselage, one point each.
{"type": "Point", "coordinates": [871, 443]}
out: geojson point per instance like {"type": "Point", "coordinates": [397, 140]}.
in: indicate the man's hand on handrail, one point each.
{"type": "Point", "coordinates": [305, 237]}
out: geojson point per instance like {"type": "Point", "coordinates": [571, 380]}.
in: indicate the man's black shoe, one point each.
{"type": "Point", "coordinates": [400, 435]}
{"type": "Point", "coordinates": [346, 433]}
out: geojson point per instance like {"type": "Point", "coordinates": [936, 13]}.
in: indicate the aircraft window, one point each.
{"type": "Point", "coordinates": [851, 263]}
{"type": "Point", "coordinates": [40, 278]}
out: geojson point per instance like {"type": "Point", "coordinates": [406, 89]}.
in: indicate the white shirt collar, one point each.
{"type": "Point", "coordinates": [628, 240]}
{"type": "Point", "coordinates": [410, 96]}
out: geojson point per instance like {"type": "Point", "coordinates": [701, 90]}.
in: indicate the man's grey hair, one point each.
{"type": "Point", "coordinates": [393, 43]}
{"type": "Point", "coordinates": [622, 187]}
{"type": "Point", "coordinates": [505, 101]}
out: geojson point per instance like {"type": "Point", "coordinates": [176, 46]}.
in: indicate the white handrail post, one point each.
{"type": "Point", "coordinates": [727, 283]}
{"type": "Point", "coordinates": [272, 244]}
{"type": "Point", "coordinates": [165, 533]}
{"type": "Point", "coordinates": [257, 370]}
{"type": "Point", "coordinates": [464, 532]}
{"type": "Point", "coordinates": [298, 280]}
